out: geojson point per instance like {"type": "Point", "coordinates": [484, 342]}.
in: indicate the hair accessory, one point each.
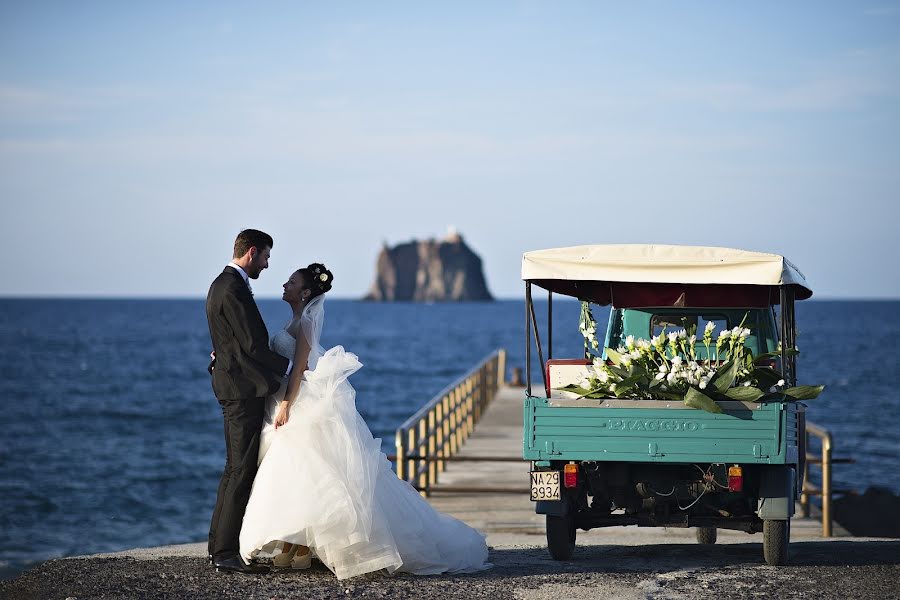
{"type": "Point", "coordinates": [323, 277]}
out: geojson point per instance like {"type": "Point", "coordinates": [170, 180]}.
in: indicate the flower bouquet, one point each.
{"type": "Point", "coordinates": [667, 367]}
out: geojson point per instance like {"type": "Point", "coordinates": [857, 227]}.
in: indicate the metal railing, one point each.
{"type": "Point", "coordinates": [429, 438]}
{"type": "Point", "coordinates": [826, 491]}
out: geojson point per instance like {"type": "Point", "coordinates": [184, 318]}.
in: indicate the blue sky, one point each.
{"type": "Point", "coordinates": [136, 139]}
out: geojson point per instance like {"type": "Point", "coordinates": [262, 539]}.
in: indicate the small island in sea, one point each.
{"type": "Point", "coordinates": [445, 270]}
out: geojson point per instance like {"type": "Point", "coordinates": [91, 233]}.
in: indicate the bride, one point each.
{"type": "Point", "coordinates": [324, 487]}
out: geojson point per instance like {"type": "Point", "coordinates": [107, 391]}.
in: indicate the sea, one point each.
{"type": "Point", "coordinates": [111, 438]}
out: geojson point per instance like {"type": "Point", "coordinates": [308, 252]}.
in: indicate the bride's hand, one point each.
{"type": "Point", "coordinates": [281, 417]}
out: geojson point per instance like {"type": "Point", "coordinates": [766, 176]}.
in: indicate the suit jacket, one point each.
{"type": "Point", "coordinates": [245, 367]}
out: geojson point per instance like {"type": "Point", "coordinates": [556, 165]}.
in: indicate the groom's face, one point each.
{"type": "Point", "coordinates": [259, 260]}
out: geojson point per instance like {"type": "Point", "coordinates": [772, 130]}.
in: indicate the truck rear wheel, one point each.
{"type": "Point", "coordinates": [776, 538]}
{"type": "Point", "coordinates": [561, 536]}
{"type": "Point", "coordinates": [706, 535]}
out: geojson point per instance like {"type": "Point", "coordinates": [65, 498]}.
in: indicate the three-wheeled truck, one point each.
{"type": "Point", "coordinates": [612, 461]}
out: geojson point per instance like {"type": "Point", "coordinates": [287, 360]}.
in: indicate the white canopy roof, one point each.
{"type": "Point", "coordinates": [658, 263]}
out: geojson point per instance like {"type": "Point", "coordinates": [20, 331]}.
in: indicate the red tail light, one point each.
{"type": "Point", "coordinates": [570, 479]}
{"type": "Point", "coordinates": [735, 479]}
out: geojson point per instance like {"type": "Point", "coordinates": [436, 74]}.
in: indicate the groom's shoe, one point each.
{"type": "Point", "coordinates": [236, 564]}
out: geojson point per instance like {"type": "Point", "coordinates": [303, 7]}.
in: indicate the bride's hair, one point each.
{"type": "Point", "coordinates": [317, 278]}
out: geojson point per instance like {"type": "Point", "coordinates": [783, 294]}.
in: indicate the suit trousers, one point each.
{"type": "Point", "coordinates": [243, 424]}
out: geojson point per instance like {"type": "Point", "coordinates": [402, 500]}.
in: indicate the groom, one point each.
{"type": "Point", "coordinates": [244, 371]}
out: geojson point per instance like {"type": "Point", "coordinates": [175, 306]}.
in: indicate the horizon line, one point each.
{"type": "Point", "coordinates": [557, 297]}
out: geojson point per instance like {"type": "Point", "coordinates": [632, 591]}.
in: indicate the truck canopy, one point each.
{"type": "Point", "coordinates": [645, 275]}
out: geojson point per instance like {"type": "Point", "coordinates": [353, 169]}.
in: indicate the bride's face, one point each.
{"type": "Point", "coordinates": [293, 288]}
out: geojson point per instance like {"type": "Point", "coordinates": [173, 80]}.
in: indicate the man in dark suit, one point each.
{"type": "Point", "coordinates": [244, 371]}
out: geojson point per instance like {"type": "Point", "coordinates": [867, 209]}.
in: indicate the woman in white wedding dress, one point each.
{"type": "Point", "coordinates": [323, 482]}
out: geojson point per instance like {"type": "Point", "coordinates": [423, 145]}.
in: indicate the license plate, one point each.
{"type": "Point", "coordinates": [545, 485]}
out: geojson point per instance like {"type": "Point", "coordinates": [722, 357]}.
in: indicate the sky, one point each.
{"type": "Point", "coordinates": [137, 139]}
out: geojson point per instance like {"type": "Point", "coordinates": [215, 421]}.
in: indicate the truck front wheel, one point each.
{"type": "Point", "coordinates": [776, 537]}
{"type": "Point", "coordinates": [561, 536]}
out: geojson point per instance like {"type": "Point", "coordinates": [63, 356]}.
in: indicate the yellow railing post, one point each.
{"type": "Point", "coordinates": [401, 454]}
{"type": "Point", "coordinates": [826, 486]}
{"type": "Point", "coordinates": [432, 466]}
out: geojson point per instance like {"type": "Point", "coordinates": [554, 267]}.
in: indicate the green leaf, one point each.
{"type": "Point", "coordinates": [804, 392]}
{"type": "Point", "coordinates": [620, 372]}
{"type": "Point", "coordinates": [765, 377]}
{"type": "Point", "coordinates": [788, 352]}
{"type": "Point", "coordinates": [724, 377]}
{"type": "Point", "coordinates": [626, 385]}
{"type": "Point", "coordinates": [697, 399]}
{"type": "Point", "coordinates": [746, 394]}
{"type": "Point", "coordinates": [614, 356]}
{"type": "Point", "coordinates": [574, 388]}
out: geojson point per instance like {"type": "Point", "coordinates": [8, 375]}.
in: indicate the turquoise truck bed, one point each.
{"type": "Point", "coordinates": [659, 431]}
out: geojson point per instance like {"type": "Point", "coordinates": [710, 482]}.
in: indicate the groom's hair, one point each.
{"type": "Point", "coordinates": [250, 238]}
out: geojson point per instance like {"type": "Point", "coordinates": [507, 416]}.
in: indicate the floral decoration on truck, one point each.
{"type": "Point", "coordinates": [669, 367]}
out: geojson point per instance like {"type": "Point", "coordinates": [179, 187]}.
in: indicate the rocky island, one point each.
{"type": "Point", "coordinates": [444, 270]}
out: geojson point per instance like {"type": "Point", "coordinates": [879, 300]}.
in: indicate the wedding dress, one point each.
{"type": "Point", "coordinates": [323, 482]}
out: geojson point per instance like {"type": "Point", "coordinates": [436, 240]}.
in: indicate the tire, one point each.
{"type": "Point", "coordinates": [776, 539]}
{"type": "Point", "coordinates": [561, 536]}
{"type": "Point", "coordinates": [706, 535]}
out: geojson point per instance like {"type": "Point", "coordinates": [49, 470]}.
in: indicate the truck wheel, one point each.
{"type": "Point", "coordinates": [706, 535]}
{"type": "Point", "coordinates": [776, 537]}
{"type": "Point", "coordinates": [561, 536]}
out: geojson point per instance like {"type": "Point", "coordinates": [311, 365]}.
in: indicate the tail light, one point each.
{"type": "Point", "coordinates": [735, 478]}
{"type": "Point", "coordinates": [570, 479]}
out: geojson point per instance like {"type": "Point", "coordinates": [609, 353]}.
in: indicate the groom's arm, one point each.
{"type": "Point", "coordinates": [249, 330]}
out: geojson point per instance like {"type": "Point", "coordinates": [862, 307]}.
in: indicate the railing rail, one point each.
{"type": "Point", "coordinates": [825, 462]}
{"type": "Point", "coordinates": [434, 434]}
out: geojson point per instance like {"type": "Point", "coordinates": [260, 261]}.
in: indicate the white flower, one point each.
{"type": "Point", "coordinates": [780, 383]}
{"type": "Point", "coordinates": [603, 376]}
{"type": "Point", "coordinates": [693, 339]}
{"type": "Point", "coordinates": [676, 361]}
{"type": "Point", "coordinates": [670, 377]}
{"type": "Point", "coordinates": [709, 327]}
{"type": "Point", "coordinates": [612, 387]}
{"type": "Point", "coordinates": [635, 355]}
{"type": "Point", "coordinates": [672, 337]}
{"type": "Point", "coordinates": [660, 376]}
{"type": "Point", "coordinates": [626, 361]}
{"type": "Point", "coordinates": [629, 342]}
{"type": "Point", "coordinates": [736, 333]}
{"type": "Point", "coordinates": [682, 334]}
{"type": "Point", "coordinates": [724, 333]}
{"type": "Point", "coordinates": [745, 332]}
{"type": "Point", "coordinates": [702, 384]}
{"type": "Point", "coordinates": [746, 384]}
{"type": "Point", "coordinates": [663, 368]}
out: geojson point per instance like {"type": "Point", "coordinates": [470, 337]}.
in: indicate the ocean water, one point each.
{"type": "Point", "coordinates": [111, 438]}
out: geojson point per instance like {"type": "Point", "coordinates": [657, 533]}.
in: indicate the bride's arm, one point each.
{"type": "Point", "coordinates": [301, 357]}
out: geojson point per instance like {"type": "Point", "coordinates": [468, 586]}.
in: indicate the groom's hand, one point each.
{"type": "Point", "coordinates": [212, 362]}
